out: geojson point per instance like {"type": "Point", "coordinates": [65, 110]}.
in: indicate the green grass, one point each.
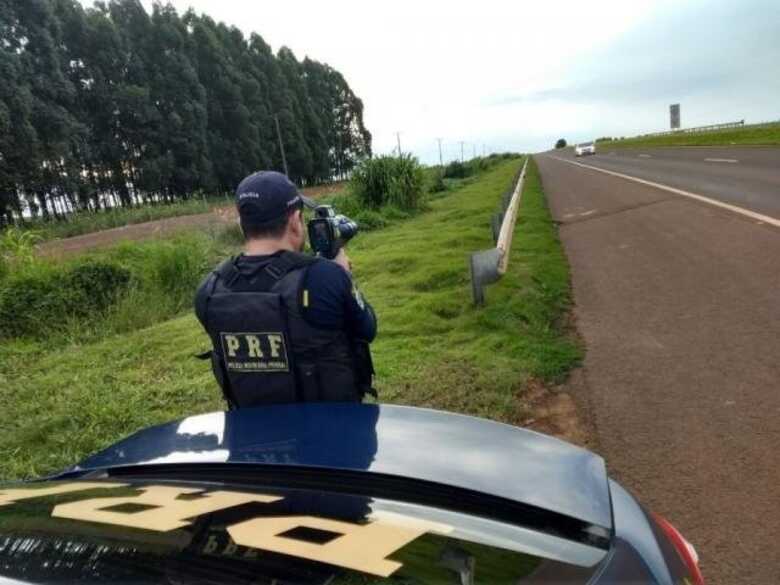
{"type": "Point", "coordinates": [768, 134]}
{"type": "Point", "coordinates": [434, 348]}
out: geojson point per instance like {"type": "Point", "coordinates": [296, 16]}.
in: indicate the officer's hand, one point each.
{"type": "Point", "coordinates": [342, 260]}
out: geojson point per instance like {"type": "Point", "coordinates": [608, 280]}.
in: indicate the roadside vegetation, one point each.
{"type": "Point", "coordinates": [73, 382]}
{"type": "Point", "coordinates": [123, 288]}
{"type": "Point", "coordinates": [385, 190]}
{"type": "Point", "coordinates": [132, 285]}
{"type": "Point", "coordinates": [758, 135]}
{"type": "Point", "coordinates": [354, 198]}
{"type": "Point", "coordinates": [435, 349]}
{"type": "Point", "coordinates": [86, 222]}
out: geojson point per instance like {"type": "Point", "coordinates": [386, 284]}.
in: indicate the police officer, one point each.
{"type": "Point", "coordinates": [284, 326]}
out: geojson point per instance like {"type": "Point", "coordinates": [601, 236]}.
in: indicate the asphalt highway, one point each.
{"type": "Point", "coordinates": [678, 302]}
{"type": "Point", "coordinates": [748, 177]}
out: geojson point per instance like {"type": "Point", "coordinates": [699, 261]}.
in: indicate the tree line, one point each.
{"type": "Point", "coordinates": [112, 106]}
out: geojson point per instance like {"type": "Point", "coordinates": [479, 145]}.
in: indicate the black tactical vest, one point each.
{"type": "Point", "coordinates": [264, 351]}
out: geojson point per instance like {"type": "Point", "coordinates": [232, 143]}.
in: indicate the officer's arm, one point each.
{"type": "Point", "coordinates": [330, 300]}
{"type": "Point", "coordinates": [360, 316]}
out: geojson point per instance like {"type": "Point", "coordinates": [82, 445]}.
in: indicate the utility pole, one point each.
{"type": "Point", "coordinates": [474, 150]}
{"type": "Point", "coordinates": [441, 160]}
{"type": "Point", "coordinates": [461, 151]}
{"type": "Point", "coordinates": [281, 145]}
{"type": "Point", "coordinates": [398, 138]}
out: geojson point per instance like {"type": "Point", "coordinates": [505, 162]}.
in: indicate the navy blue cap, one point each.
{"type": "Point", "coordinates": [267, 195]}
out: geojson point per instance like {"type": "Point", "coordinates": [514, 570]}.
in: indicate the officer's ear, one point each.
{"type": "Point", "coordinates": [296, 222]}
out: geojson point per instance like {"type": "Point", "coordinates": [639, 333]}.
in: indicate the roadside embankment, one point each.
{"type": "Point", "coordinates": [74, 394]}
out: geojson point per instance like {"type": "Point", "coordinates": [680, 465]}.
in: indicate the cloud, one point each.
{"type": "Point", "coordinates": [718, 55]}
{"type": "Point", "coordinates": [624, 89]}
{"type": "Point", "coordinates": [520, 75]}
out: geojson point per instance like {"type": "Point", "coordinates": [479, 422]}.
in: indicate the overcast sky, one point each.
{"type": "Point", "coordinates": [519, 75]}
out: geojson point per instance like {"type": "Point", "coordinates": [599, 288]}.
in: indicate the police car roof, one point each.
{"type": "Point", "coordinates": [478, 455]}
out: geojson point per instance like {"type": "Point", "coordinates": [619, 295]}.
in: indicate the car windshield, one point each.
{"type": "Point", "coordinates": [586, 144]}
{"type": "Point", "coordinates": [136, 533]}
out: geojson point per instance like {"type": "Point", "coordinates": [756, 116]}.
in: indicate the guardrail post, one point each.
{"type": "Point", "coordinates": [484, 271]}
{"type": "Point", "coordinates": [495, 225]}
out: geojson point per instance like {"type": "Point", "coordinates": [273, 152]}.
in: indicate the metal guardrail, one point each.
{"type": "Point", "coordinates": [698, 129]}
{"type": "Point", "coordinates": [488, 266]}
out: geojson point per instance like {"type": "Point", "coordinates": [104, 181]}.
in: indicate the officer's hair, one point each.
{"type": "Point", "coordinates": [273, 229]}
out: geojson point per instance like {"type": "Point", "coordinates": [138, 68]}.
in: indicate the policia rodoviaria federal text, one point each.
{"type": "Point", "coordinates": [286, 326]}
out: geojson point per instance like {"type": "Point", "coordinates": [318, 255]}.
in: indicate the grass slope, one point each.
{"type": "Point", "coordinates": [434, 348]}
{"type": "Point", "coordinates": [768, 134]}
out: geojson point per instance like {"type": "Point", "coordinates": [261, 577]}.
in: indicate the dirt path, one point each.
{"type": "Point", "coordinates": [135, 232]}
{"type": "Point", "coordinates": [678, 304]}
{"type": "Point", "coordinates": [158, 228]}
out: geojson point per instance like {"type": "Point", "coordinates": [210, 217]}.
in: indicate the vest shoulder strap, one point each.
{"type": "Point", "coordinates": [268, 275]}
{"type": "Point", "coordinates": [228, 273]}
{"type": "Point", "coordinates": [289, 261]}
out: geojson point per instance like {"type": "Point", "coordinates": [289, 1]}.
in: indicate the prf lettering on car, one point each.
{"type": "Point", "coordinates": [362, 547]}
{"type": "Point", "coordinates": [255, 352]}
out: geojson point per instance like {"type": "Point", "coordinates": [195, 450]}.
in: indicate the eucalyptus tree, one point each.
{"type": "Point", "coordinates": [111, 105]}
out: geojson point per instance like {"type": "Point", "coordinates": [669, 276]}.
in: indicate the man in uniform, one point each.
{"type": "Point", "coordinates": [284, 326]}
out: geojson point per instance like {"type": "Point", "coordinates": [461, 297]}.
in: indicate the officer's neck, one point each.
{"type": "Point", "coordinates": [267, 247]}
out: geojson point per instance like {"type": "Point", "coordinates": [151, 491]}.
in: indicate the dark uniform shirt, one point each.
{"type": "Point", "coordinates": [330, 299]}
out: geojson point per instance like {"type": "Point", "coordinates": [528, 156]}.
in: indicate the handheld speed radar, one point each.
{"type": "Point", "coordinates": [329, 231]}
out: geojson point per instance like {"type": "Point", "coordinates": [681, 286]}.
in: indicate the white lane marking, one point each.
{"type": "Point", "coordinates": [746, 212]}
{"type": "Point", "coordinates": [591, 212]}
{"type": "Point", "coordinates": [726, 160]}
{"type": "Point", "coordinates": [645, 156]}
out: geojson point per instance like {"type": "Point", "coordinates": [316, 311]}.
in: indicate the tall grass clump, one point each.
{"type": "Point", "coordinates": [457, 170]}
{"type": "Point", "coordinates": [398, 181]}
{"type": "Point", "coordinates": [45, 299]}
{"type": "Point", "coordinates": [17, 248]}
{"type": "Point", "coordinates": [437, 184]}
{"type": "Point", "coordinates": [121, 289]}
{"type": "Point", "coordinates": [462, 170]}
{"type": "Point", "coordinates": [166, 274]}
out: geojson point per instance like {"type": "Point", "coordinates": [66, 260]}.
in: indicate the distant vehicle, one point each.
{"type": "Point", "coordinates": [585, 148]}
{"type": "Point", "coordinates": [336, 494]}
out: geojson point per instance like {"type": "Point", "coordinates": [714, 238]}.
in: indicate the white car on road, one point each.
{"type": "Point", "coordinates": [585, 148]}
